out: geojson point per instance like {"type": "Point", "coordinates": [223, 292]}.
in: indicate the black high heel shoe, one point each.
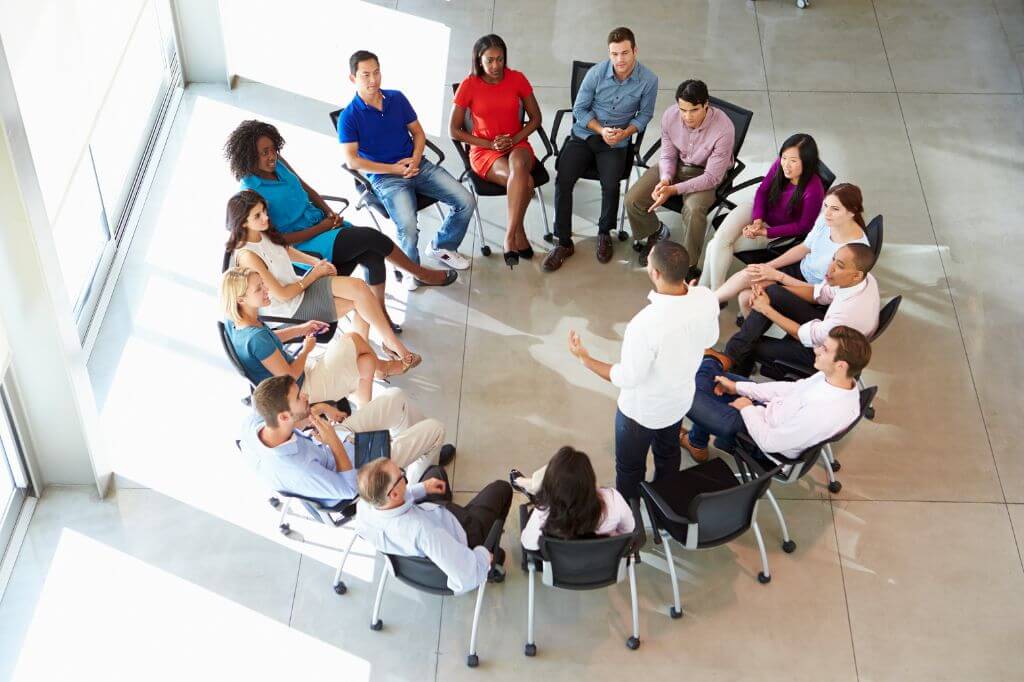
{"type": "Point", "coordinates": [526, 253]}
{"type": "Point", "coordinates": [511, 259]}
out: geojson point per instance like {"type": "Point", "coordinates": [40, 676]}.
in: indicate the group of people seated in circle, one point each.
{"type": "Point", "coordinates": [292, 257]}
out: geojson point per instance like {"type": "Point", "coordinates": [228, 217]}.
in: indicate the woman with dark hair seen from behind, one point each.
{"type": "Point", "coordinates": [568, 503]}
{"type": "Point", "coordinates": [500, 151]}
{"type": "Point", "coordinates": [841, 222]}
{"type": "Point", "coordinates": [304, 219]}
{"type": "Point", "coordinates": [320, 294]}
{"type": "Point", "coordinates": [785, 205]}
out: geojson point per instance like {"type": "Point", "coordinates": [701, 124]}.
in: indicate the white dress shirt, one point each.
{"type": "Point", "coordinates": [616, 519]}
{"type": "Point", "coordinates": [661, 351]}
{"type": "Point", "coordinates": [855, 306]}
{"type": "Point", "coordinates": [425, 530]}
{"type": "Point", "coordinates": [796, 414]}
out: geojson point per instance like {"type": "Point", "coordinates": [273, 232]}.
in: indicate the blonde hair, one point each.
{"type": "Point", "coordinates": [374, 482]}
{"type": "Point", "coordinates": [233, 286]}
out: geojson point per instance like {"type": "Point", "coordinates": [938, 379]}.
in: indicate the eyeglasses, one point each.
{"type": "Point", "coordinates": [395, 484]}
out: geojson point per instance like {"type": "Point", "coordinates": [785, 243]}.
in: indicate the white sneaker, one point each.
{"type": "Point", "coordinates": [409, 282]}
{"type": "Point", "coordinates": [452, 259]}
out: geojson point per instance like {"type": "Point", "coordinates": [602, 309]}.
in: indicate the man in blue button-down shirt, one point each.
{"type": "Point", "coordinates": [614, 102]}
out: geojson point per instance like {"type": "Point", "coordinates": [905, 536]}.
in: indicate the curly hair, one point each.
{"type": "Point", "coordinates": [240, 149]}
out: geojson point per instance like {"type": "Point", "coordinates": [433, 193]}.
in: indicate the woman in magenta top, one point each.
{"type": "Point", "coordinates": [499, 151]}
{"type": "Point", "coordinates": [786, 204]}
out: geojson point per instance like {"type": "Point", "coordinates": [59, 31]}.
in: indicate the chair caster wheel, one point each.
{"type": "Point", "coordinates": [284, 528]}
{"type": "Point", "coordinates": [340, 588]}
{"type": "Point", "coordinates": [274, 502]}
{"type": "Point", "coordinates": [549, 238]}
{"type": "Point", "coordinates": [835, 486]}
{"type": "Point", "coordinates": [638, 247]}
{"type": "Point", "coordinates": [633, 643]}
{"type": "Point", "coordinates": [802, 4]}
{"type": "Point", "coordinates": [530, 650]}
{"type": "Point", "coordinates": [788, 546]}
{"type": "Point", "coordinates": [485, 250]}
{"type": "Point", "coordinates": [674, 614]}
{"type": "Point", "coordinates": [472, 660]}
{"type": "Point", "coordinates": [869, 413]}
{"type": "Point", "coordinates": [763, 579]}
{"type": "Point", "coordinates": [623, 236]}
{"type": "Point", "coordinates": [836, 466]}
{"type": "Point", "coordinates": [378, 626]}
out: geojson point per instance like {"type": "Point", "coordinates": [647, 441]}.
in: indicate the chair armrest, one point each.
{"type": "Point", "coordinates": [549, 149]}
{"type": "Point", "coordinates": [802, 371]}
{"type": "Point", "coordinates": [322, 337]}
{"type": "Point", "coordinates": [744, 185]}
{"type": "Point", "coordinates": [437, 150]}
{"type": "Point", "coordinates": [555, 126]}
{"type": "Point", "coordinates": [655, 499]}
{"type": "Point", "coordinates": [639, 536]}
{"type": "Point", "coordinates": [743, 453]}
{"type": "Point", "coordinates": [646, 158]}
{"type": "Point", "coordinates": [341, 200]}
{"type": "Point", "coordinates": [782, 244]}
{"type": "Point", "coordinates": [494, 536]}
{"type": "Point", "coordinates": [358, 177]}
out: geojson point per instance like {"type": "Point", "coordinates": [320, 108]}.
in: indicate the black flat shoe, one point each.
{"type": "Point", "coordinates": [526, 253]}
{"type": "Point", "coordinates": [395, 327]}
{"type": "Point", "coordinates": [449, 278]}
{"type": "Point", "coordinates": [511, 259]}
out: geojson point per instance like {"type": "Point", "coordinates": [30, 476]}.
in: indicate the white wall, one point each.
{"type": "Point", "coordinates": [201, 41]}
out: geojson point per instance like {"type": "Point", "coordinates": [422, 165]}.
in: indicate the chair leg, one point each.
{"type": "Point", "coordinates": [622, 209]}
{"type": "Point", "coordinates": [675, 611]}
{"type": "Point", "coordinates": [787, 544]}
{"type": "Point", "coordinates": [834, 486]}
{"type": "Point", "coordinates": [375, 621]}
{"type": "Point", "coordinates": [439, 211]}
{"type": "Point", "coordinates": [531, 646]}
{"type": "Point", "coordinates": [830, 457]}
{"type": "Point", "coordinates": [282, 524]}
{"type": "Point", "coordinates": [339, 584]}
{"type": "Point", "coordinates": [634, 641]}
{"type": "Point", "coordinates": [765, 576]}
{"type": "Point", "coordinates": [544, 211]}
{"type": "Point", "coordinates": [484, 248]}
{"type": "Point", "coordinates": [472, 660]}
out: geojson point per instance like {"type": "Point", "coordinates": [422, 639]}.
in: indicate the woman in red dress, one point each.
{"type": "Point", "coordinates": [499, 151]}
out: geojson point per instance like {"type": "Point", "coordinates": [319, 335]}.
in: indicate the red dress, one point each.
{"type": "Point", "coordinates": [494, 109]}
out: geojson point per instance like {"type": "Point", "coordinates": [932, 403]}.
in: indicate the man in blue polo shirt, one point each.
{"type": "Point", "coordinates": [380, 135]}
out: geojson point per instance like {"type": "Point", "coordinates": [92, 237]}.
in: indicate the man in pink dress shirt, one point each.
{"type": "Point", "coordinates": [696, 152]}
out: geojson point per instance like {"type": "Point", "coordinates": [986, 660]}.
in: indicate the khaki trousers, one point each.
{"type": "Point", "coordinates": [332, 374]}
{"type": "Point", "coordinates": [415, 441]}
{"type": "Point", "coordinates": [728, 240]}
{"type": "Point", "coordinates": [695, 208]}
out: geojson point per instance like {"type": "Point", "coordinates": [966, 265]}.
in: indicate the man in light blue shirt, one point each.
{"type": "Point", "coordinates": [615, 101]}
{"type": "Point", "coordinates": [449, 535]}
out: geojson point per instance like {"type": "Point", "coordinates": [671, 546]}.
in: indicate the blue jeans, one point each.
{"type": "Point", "coordinates": [632, 441]}
{"type": "Point", "coordinates": [710, 413]}
{"type": "Point", "coordinates": [399, 197]}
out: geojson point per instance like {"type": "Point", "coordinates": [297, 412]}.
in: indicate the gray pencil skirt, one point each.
{"type": "Point", "coordinates": [318, 302]}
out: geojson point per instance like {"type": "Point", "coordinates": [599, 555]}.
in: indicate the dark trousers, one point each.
{"type": "Point", "coordinates": [575, 157]}
{"type": "Point", "coordinates": [364, 246]}
{"type": "Point", "coordinates": [479, 514]}
{"type": "Point", "coordinates": [749, 345]}
{"type": "Point", "coordinates": [712, 414]}
{"type": "Point", "coordinates": [632, 441]}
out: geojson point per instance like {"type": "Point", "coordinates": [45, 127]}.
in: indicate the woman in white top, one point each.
{"type": "Point", "coordinates": [568, 503]}
{"type": "Point", "coordinates": [319, 294]}
{"type": "Point", "coordinates": [841, 222]}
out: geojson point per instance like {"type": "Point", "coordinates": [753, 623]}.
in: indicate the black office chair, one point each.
{"type": "Point", "coordinates": [370, 200]}
{"type": "Point", "coordinates": [705, 506]}
{"type": "Point", "coordinates": [740, 118]}
{"type": "Point", "coordinates": [875, 235]}
{"type": "Point", "coordinates": [789, 371]}
{"type": "Point", "coordinates": [777, 247]}
{"type": "Point", "coordinates": [481, 187]}
{"type": "Point", "coordinates": [423, 574]}
{"type": "Point", "coordinates": [585, 564]}
{"type": "Point", "coordinates": [337, 516]}
{"type": "Point", "coordinates": [579, 71]}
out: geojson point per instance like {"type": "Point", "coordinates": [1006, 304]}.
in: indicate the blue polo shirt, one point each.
{"type": "Point", "coordinates": [253, 345]}
{"type": "Point", "coordinates": [382, 135]}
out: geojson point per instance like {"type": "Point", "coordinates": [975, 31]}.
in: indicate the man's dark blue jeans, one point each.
{"type": "Point", "coordinates": [712, 414]}
{"type": "Point", "coordinates": [632, 442]}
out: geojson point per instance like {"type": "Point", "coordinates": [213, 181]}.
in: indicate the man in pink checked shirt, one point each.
{"type": "Point", "coordinates": [696, 152]}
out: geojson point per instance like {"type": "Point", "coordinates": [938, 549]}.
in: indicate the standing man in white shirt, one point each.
{"type": "Point", "coordinates": [661, 350]}
{"type": "Point", "coordinates": [782, 417]}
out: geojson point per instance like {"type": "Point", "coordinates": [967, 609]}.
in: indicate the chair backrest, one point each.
{"type": "Point", "coordinates": [875, 235]}
{"type": "Point", "coordinates": [826, 175]}
{"type": "Point", "coordinates": [229, 350]}
{"type": "Point", "coordinates": [740, 118]}
{"type": "Point", "coordinates": [334, 118]}
{"type": "Point", "coordinates": [585, 564]}
{"type": "Point", "coordinates": [420, 573]}
{"type": "Point", "coordinates": [885, 316]}
{"type": "Point", "coordinates": [579, 72]}
{"type": "Point", "coordinates": [723, 515]}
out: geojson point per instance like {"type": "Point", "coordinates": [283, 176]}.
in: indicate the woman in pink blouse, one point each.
{"type": "Point", "coordinates": [786, 204]}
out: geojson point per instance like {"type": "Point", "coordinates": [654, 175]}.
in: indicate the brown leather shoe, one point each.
{"type": "Point", "coordinates": [604, 248]}
{"type": "Point", "coordinates": [721, 357]}
{"type": "Point", "coordinates": [556, 257]}
{"type": "Point", "coordinates": [698, 454]}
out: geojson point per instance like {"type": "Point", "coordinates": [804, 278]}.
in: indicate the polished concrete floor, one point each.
{"type": "Point", "coordinates": [912, 572]}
